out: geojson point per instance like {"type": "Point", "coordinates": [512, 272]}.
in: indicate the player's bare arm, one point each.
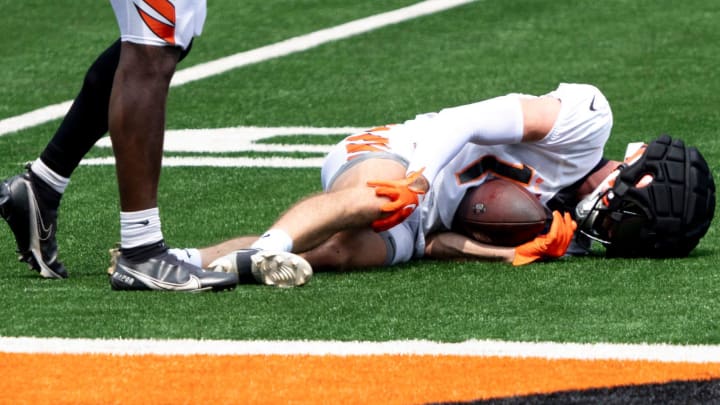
{"type": "Point", "coordinates": [539, 116]}
{"type": "Point", "coordinates": [551, 245]}
{"type": "Point", "coordinates": [454, 246]}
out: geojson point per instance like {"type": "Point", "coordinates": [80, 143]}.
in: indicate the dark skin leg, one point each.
{"type": "Point", "coordinates": [137, 120]}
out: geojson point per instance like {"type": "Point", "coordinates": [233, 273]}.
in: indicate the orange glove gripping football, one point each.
{"type": "Point", "coordinates": [403, 199]}
{"type": "Point", "coordinates": [550, 245]}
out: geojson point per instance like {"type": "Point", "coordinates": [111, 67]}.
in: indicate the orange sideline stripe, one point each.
{"type": "Point", "coordinates": [387, 379]}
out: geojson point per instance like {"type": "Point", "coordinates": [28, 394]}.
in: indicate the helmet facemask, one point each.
{"type": "Point", "coordinates": [658, 205]}
{"type": "Point", "coordinates": [606, 219]}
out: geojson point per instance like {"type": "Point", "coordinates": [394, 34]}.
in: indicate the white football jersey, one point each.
{"type": "Point", "coordinates": [160, 22]}
{"type": "Point", "coordinates": [569, 152]}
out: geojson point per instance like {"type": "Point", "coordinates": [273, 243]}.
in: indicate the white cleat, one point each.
{"type": "Point", "coordinates": [275, 268]}
{"type": "Point", "coordinates": [225, 264]}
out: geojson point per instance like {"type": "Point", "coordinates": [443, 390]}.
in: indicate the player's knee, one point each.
{"type": "Point", "coordinates": [100, 75]}
{"type": "Point", "coordinates": [366, 170]}
{"type": "Point", "coordinates": [333, 254]}
{"type": "Point", "coordinates": [360, 206]}
{"type": "Point", "coordinates": [96, 80]}
{"type": "Point", "coordinates": [151, 63]}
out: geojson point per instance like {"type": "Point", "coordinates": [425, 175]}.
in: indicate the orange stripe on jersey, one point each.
{"type": "Point", "coordinates": [355, 148]}
{"type": "Point", "coordinates": [382, 128]}
{"type": "Point", "coordinates": [366, 142]}
{"type": "Point", "coordinates": [164, 30]}
{"type": "Point", "coordinates": [369, 138]}
{"type": "Point", "coordinates": [164, 8]}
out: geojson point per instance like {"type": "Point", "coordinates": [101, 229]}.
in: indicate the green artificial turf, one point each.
{"type": "Point", "coordinates": [655, 60]}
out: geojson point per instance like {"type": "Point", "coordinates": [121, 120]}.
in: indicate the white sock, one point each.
{"type": "Point", "coordinates": [274, 239]}
{"type": "Point", "coordinates": [54, 180]}
{"type": "Point", "coordinates": [140, 228]}
{"type": "Point", "coordinates": [188, 255]}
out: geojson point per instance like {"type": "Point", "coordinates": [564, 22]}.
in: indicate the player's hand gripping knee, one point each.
{"type": "Point", "coordinates": [403, 195]}
{"type": "Point", "coordinates": [550, 245]}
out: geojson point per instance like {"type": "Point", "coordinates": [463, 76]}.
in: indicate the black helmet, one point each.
{"type": "Point", "coordinates": [660, 205]}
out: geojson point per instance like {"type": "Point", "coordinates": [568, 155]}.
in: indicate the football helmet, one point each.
{"type": "Point", "coordinates": [659, 204]}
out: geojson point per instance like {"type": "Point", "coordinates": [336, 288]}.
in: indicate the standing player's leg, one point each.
{"type": "Point", "coordinates": [29, 202]}
{"type": "Point", "coordinates": [150, 51]}
{"type": "Point", "coordinates": [38, 192]}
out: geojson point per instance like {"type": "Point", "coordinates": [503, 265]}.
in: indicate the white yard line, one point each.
{"type": "Point", "coordinates": [471, 348]}
{"type": "Point", "coordinates": [175, 161]}
{"type": "Point", "coordinates": [283, 48]}
{"type": "Point", "coordinates": [237, 139]}
{"type": "Point", "coordinates": [244, 139]}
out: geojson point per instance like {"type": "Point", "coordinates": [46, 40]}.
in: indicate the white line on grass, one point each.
{"type": "Point", "coordinates": [177, 161]}
{"type": "Point", "coordinates": [283, 48]}
{"type": "Point", "coordinates": [472, 348]}
{"type": "Point", "coordinates": [237, 139]}
{"type": "Point", "coordinates": [244, 139]}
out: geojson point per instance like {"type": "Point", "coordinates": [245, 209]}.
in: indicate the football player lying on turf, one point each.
{"type": "Point", "coordinates": [617, 204]}
{"type": "Point", "coordinates": [557, 155]}
{"type": "Point", "coordinates": [374, 181]}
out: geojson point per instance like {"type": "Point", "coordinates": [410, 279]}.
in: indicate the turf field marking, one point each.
{"type": "Point", "coordinates": [277, 162]}
{"type": "Point", "coordinates": [237, 139]}
{"type": "Point", "coordinates": [469, 348]}
{"type": "Point", "coordinates": [276, 50]}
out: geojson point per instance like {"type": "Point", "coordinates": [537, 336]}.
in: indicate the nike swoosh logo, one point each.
{"type": "Point", "coordinates": [144, 222]}
{"type": "Point", "coordinates": [44, 233]}
{"type": "Point", "coordinates": [192, 284]}
{"type": "Point", "coordinates": [592, 105]}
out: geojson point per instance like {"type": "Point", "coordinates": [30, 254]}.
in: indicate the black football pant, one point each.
{"type": "Point", "coordinates": [87, 119]}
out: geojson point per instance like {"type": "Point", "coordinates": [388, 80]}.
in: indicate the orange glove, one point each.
{"type": "Point", "coordinates": [550, 245]}
{"type": "Point", "coordinates": [403, 195]}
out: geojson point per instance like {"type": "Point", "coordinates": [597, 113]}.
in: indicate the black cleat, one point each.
{"type": "Point", "coordinates": [167, 273]}
{"type": "Point", "coordinates": [33, 225]}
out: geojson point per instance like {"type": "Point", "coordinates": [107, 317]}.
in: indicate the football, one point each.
{"type": "Point", "coordinates": [501, 213]}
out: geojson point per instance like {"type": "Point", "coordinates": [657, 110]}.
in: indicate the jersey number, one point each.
{"type": "Point", "coordinates": [490, 164]}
